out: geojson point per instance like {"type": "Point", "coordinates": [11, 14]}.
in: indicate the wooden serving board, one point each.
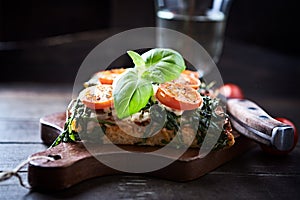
{"type": "Point", "coordinates": [74, 164]}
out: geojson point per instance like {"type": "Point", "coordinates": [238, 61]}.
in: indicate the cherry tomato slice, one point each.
{"type": "Point", "coordinates": [191, 73]}
{"type": "Point", "coordinates": [189, 80]}
{"type": "Point", "coordinates": [108, 76]}
{"type": "Point", "coordinates": [178, 96]}
{"type": "Point", "coordinates": [97, 97]}
{"type": "Point", "coordinates": [231, 90]}
{"type": "Point", "coordinates": [273, 151]}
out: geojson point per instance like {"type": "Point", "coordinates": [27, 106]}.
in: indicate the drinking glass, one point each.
{"type": "Point", "coordinates": [202, 20]}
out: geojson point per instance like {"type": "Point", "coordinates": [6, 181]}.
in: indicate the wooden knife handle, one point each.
{"type": "Point", "coordinates": [251, 120]}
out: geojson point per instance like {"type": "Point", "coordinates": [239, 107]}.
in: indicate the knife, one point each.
{"type": "Point", "coordinates": [252, 121]}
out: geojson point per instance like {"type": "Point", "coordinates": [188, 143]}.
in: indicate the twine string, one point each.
{"type": "Point", "coordinates": [5, 175]}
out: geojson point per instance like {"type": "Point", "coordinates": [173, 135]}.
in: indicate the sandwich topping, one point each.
{"type": "Point", "coordinates": [97, 96]}
{"type": "Point", "coordinates": [148, 104]}
{"type": "Point", "coordinates": [178, 96]}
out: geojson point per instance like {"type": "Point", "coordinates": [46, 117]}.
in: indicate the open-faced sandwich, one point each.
{"type": "Point", "coordinates": [149, 105]}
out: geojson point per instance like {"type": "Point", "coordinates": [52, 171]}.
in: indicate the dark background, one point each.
{"type": "Point", "coordinates": [47, 40]}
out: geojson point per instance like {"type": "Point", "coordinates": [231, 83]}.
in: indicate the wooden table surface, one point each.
{"type": "Point", "coordinates": [269, 78]}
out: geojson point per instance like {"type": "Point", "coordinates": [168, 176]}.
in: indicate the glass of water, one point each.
{"type": "Point", "coordinates": [202, 20]}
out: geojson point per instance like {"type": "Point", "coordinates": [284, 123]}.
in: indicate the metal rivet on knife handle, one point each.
{"type": "Point", "coordinates": [252, 121]}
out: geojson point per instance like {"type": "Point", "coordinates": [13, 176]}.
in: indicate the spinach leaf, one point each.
{"type": "Point", "coordinates": [131, 93]}
{"type": "Point", "coordinates": [158, 116]}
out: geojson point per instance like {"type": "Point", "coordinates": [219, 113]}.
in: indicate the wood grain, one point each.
{"type": "Point", "coordinates": [72, 157]}
{"type": "Point", "coordinates": [19, 131]}
{"type": "Point", "coordinates": [269, 78]}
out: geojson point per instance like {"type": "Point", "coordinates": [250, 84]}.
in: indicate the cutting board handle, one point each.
{"type": "Point", "coordinates": [73, 163]}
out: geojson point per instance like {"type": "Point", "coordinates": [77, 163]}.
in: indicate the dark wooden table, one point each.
{"type": "Point", "coordinates": [269, 78]}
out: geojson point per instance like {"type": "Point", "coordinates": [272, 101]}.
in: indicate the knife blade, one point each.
{"type": "Point", "coordinates": [252, 121]}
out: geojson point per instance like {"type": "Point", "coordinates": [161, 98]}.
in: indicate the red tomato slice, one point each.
{"type": "Point", "coordinates": [178, 96]}
{"type": "Point", "coordinates": [273, 151]}
{"type": "Point", "coordinates": [97, 97]}
{"type": "Point", "coordinates": [188, 80]}
{"type": "Point", "coordinates": [230, 90]}
{"type": "Point", "coordinates": [191, 73]}
{"type": "Point", "coordinates": [108, 76]}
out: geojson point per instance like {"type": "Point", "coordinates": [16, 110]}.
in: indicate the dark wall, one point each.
{"type": "Point", "coordinates": [271, 24]}
{"type": "Point", "coordinates": [32, 19]}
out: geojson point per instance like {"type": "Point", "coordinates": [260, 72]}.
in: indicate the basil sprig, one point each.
{"type": "Point", "coordinates": [133, 89]}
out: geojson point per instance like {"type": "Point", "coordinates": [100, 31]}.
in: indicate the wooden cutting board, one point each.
{"type": "Point", "coordinates": [74, 164]}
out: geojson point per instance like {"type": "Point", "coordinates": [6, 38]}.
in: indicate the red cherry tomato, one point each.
{"type": "Point", "coordinates": [97, 96]}
{"type": "Point", "coordinates": [108, 76]}
{"type": "Point", "coordinates": [178, 96]}
{"type": "Point", "coordinates": [189, 80]}
{"type": "Point", "coordinates": [231, 90]}
{"type": "Point", "coordinates": [273, 151]}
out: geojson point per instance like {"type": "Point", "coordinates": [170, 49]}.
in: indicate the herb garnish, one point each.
{"type": "Point", "coordinates": [133, 92]}
{"type": "Point", "coordinates": [77, 123]}
{"type": "Point", "coordinates": [134, 88]}
{"type": "Point", "coordinates": [68, 134]}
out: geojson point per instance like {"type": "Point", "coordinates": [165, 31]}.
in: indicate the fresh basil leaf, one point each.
{"type": "Point", "coordinates": [136, 58]}
{"type": "Point", "coordinates": [162, 65]}
{"type": "Point", "coordinates": [133, 89]}
{"type": "Point", "coordinates": [131, 93]}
